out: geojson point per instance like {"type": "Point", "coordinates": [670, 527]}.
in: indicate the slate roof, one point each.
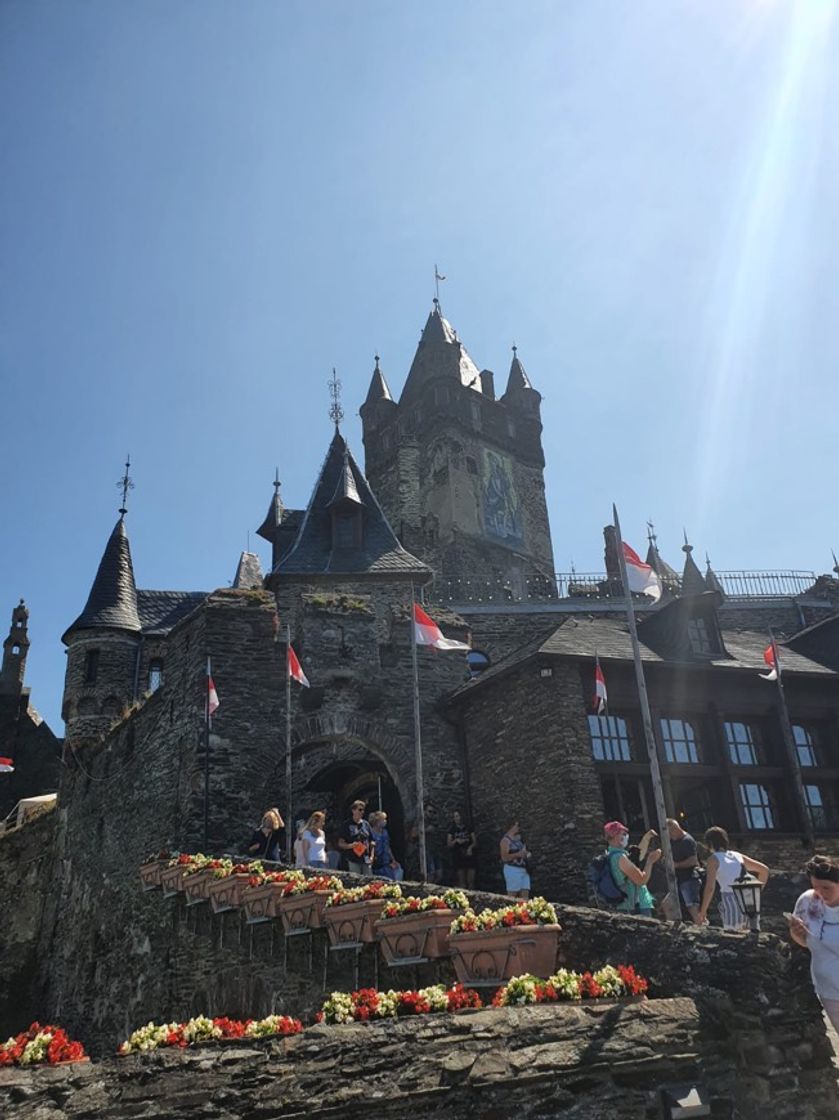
{"type": "Point", "coordinates": [273, 518]}
{"type": "Point", "coordinates": [161, 610]}
{"type": "Point", "coordinates": [380, 551]}
{"type": "Point", "coordinates": [517, 378]}
{"type": "Point", "coordinates": [582, 637]}
{"type": "Point", "coordinates": [439, 354]}
{"type": "Point", "coordinates": [693, 582]}
{"type": "Point", "coordinates": [379, 390]}
{"type": "Point", "coordinates": [112, 602]}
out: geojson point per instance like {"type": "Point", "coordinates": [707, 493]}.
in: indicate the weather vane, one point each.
{"type": "Point", "coordinates": [336, 413]}
{"type": "Point", "coordinates": [125, 484]}
{"type": "Point", "coordinates": [438, 276]}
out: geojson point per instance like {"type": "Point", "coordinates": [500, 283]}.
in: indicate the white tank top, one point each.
{"type": "Point", "coordinates": [317, 846]}
{"type": "Point", "coordinates": [729, 869]}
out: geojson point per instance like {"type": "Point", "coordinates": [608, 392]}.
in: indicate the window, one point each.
{"type": "Point", "coordinates": [742, 741]}
{"type": "Point", "coordinates": [343, 532]}
{"type": "Point", "coordinates": [609, 739]}
{"type": "Point", "coordinates": [477, 661]}
{"type": "Point", "coordinates": [471, 465]}
{"type": "Point", "coordinates": [805, 740]}
{"type": "Point", "coordinates": [155, 675]}
{"type": "Point", "coordinates": [757, 806]}
{"type": "Point", "coordinates": [821, 805]}
{"type": "Point", "coordinates": [476, 413]}
{"type": "Point", "coordinates": [680, 740]}
{"type": "Point", "coordinates": [15, 650]}
{"type": "Point", "coordinates": [91, 666]}
{"type": "Point", "coordinates": [511, 427]}
{"type": "Point", "coordinates": [700, 640]}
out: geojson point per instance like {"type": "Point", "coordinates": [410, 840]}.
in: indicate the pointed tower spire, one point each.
{"type": "Point", "coordinates": [517, 378]}
{"type": "Point", "coordinates": [692, 581]}
{"type": "Point", "coordinates": [112, 602]}
{"type": "Point", "coordinates": [15, 649]}
{"type": "Point", "coordinates": [440, 354]}
{"type": "Point", "coordinates": [378, 390]}
{"type": "Point", "coordinates": [346, 491]}
{"type": "Point", "coordinates": [656, 561]}
{"type": "Point", "coordinates": [336, 412]}
{"type": "Point", "coordinates": [248, 573]}
{"type": "Point", "coordinates": [711, 580]}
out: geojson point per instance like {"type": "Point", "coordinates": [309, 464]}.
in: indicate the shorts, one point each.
{"type": "Point", "coordinates": [516, 878]}
{"type": "Point", "coordinates": [689, 892]}
{"type": "Point", "coordinates": [359, 868]}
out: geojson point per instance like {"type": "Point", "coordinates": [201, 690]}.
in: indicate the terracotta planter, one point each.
{"type": "Point", "coordinates": [172, 880]}
{"type": "Point", "coordinates": [302, 912]}
{"type": "Point", "coordinates": [150, 873]}
{"type": "Point", "coordinates": [353, 922]}
{"type": "Point", "coordinates": [196, 887]}
{"type": "Point", "coordinates": [495, 955]}
{"type": "Point", "coordinates": [261, 902]}
{"type": "Point", "coordinates": [226, 893]}
{"type": "Point", "coordinates": [415, 937]}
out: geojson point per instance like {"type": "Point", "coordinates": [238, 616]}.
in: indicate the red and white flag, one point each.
{"type": "Point", "coordinates": [428, 633]}
{"type": "Point", "coordinates": [600, 697]}
{"type": "Point", "coordinates": [770, 656]}
{"type": "Point", "coordinates": [213, 701]}
{"type": "Point", "coordinates": [642, 578]}
{"type": "Point", "coordinates": [6, 765]}
{"type": "Point", "coordinates": [295, 669]}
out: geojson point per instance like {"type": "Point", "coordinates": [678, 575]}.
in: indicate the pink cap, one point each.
{"type": "Point", "coordinates": [613, 828]}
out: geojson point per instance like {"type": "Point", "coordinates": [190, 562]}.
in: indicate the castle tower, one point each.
{"type": "Point", "coordinates": [103, 645]}
{"type": "Point", "coordinates": [15, 649]}
{"type": "Point", "coordinates": [459, 473]}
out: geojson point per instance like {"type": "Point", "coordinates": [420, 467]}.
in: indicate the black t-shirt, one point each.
{"type": "Point", "coordinates": [462, 836]}
{"type": "Point", "coordinates": [352, 832]}
{"type": "Point", "coordinates": [271, 847]}
{"type": "Point", "coordinates": [683, 848]}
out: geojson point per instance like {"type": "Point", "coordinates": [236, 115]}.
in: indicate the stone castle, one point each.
{"type": "Point", "coordinates": [450, 508]}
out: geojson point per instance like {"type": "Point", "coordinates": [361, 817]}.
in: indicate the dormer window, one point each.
{"type": "Point", "coordinates": [346, 529]}
{"type": "Point", "coordinates": [699, 638]}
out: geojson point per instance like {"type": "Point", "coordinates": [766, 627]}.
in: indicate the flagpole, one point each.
{"type": "Point", "coordinates": [655, 769]}
{"type": "Point", "coordinates": [789, 743]}
{"type": "Point", "coordinates": [207, 724]}
{"type": "Point", "coordinates": [289, 819]}
{"type": "Point", "coordinates": [423, 861]}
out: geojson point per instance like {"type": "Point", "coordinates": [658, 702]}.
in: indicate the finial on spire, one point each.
{"type": "Point", "coordinates": [686, 547]}
{"type": "Point", "coordinates": [336, 413]}
{"type": "Point", "coordinates": [651, 537]}
{"type": "Point", "coordinates": [277, 482]}
{"type": "Point", "coordinates": [835, 562]}
{"type": "Point", "coordinates": [125, 484]}
{"type": "Point", "coordinates": [376, 370]}
{"type": "Point", "coordinates": [437, 278]}
{"type": "Point", "coordinates": [515, 350]}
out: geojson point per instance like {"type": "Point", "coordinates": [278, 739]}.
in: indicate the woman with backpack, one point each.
{"type": "Point", "coordinates": [626, 875]}
{"type": "Point", "coordinates": [723, 868]}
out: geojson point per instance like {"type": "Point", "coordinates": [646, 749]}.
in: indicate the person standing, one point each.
{"type": "Point", "coordinates": [266, 841]}
{"type": "Point", "coordinates": [461, 842]}
{"type": "Point", "coordinates": [686, 863]}
{"type": "Point", "coordinates": [629, 878]}
{"type": "Point", "coordinates": [514, 856]}
{"type": "Point", "coordinates": [385, 863]}
{"type": "Point", "coordinates": [356, 841]}
{"type": "Point", "coordinates": [814, 925]}
{"type": "Point", "coordinates": [724, 867]}
{"type": "Point", "coordinates": [314, 841]}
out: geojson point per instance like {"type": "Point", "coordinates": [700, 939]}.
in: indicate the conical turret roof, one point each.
{"type": "Point", "coordinates": [440, 354]}
{"type": "Point", "coordinates": [517, 378]}
{"type": "Point", "coordinates": [274, 517]}
{"type": "Point", "coordinates": [112, 602]}
{"type": "Point", "coordinates": [379, 550]}
{"type": "Point", "coordinates": [378, 390]}
{"type": "Point", "coordinates": [711, 579]}
{"type": "Point", "coordinates": [693, 582]}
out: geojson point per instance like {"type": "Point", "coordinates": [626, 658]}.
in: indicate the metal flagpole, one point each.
{"type": "Point", "coordinates": [789, 743]}
{"type": "Point", "coordinates": [418, 750]}
{"type": "Point", "coordinates": [655, 769]}
{"type": "Point", "coordinates": [289, 819]}
{"type": "Point", "coordinates": [207, 724]}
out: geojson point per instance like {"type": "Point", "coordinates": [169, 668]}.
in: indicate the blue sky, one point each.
{"type": "Point", "coordinates": [206, 205]}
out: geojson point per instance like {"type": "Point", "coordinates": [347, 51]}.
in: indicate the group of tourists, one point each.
{"type": "Point", "coordinates": [363, 845]}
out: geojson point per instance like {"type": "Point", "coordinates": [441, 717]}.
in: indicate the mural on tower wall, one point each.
{"type": "Point", "coordinates": [501, 505]}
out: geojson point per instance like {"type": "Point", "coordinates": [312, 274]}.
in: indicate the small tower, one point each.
{"type": "Point", "coordinates": [15, 649]}
{"type": "Point", "coordinates": [103, 644]}
{"type": "Point", "coordinates": [693, 582]}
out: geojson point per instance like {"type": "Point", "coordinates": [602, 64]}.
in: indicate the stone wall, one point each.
{"type": "Point", "coordinates": [36, 752]}
{"type": "Point", "coordinates": [598, 1061]}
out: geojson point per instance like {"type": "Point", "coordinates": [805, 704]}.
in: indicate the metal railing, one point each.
{"type": "Point", "coordinates": [583, 586]}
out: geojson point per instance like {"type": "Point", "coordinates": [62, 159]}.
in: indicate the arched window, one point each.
{"type": "Point", "coordinates": [91, 666]}
{"type": "Point", "coordinates": [478, 661]}
{"type": "Point", "coordinates": [155, 674]}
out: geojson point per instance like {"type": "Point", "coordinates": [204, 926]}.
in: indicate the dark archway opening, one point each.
{"type": "Point", "coordinates": [336, 786]}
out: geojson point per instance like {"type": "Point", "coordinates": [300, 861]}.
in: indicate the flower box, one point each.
{"type": "Point", "coordinates": [411, 938]}
{"type": "Point", "coordinates": [492, 956]}
{"type": "Point", "coordinates": [151, 873]}
{"type": "Point", "coordinates": [196, 887]}
{"type": "Point", "coordinates": [226, 893]}
{"type": "Point", "coordinates": [302, 912]}
{"type": "Point", "coordinates": [353, 923]}
{"type": "Point", "coordinates": [172, 880]}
